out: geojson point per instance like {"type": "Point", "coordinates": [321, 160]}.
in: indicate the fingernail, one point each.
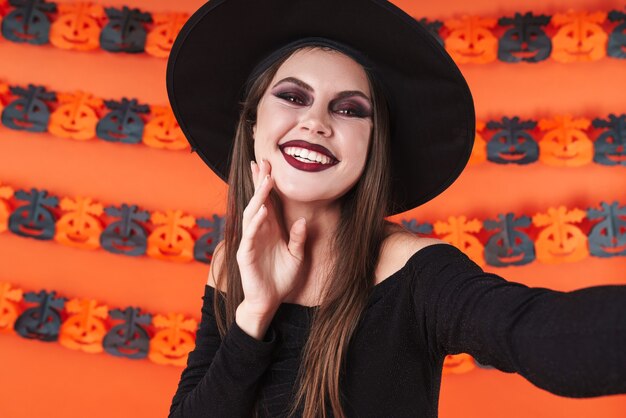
{"type": "Point", "coordinates": [266, 179]}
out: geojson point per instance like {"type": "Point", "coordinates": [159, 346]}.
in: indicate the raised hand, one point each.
{"type": "Point", "coordinates": [268, 259]}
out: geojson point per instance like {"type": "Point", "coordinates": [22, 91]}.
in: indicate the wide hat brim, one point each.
{"type": "Point", "coordinates": [431, 108]}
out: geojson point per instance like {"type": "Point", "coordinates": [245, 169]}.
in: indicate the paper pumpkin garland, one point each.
{"type": "Point", "coordinates": [162, 131]}
{"type": "Point", "coordinates": [125, 31]}
{"type": "Point", "coordinates": [171, 240]}
{"type": "Point", "coordinates": [526, 40]}
{"type": "Point", "coordinates": [9, 311]}
{"type": "Point", "coordinates": [580, 37]}
{"type": "Point", "coordinates": [512, 143]}
{"type": "Point", "coordinates": [43, 321]}
{"type": "Point", "coordinates": [80, 226]}
{"type": "Point", "coordinates": [560, 241]}
{"type": "Point", "coordinates": [123, 123]}
{"type": "Point", "coordinates": [458, 232]}
{"type": "Point", "coordinates": [6, 193]}
{"type": "Point", "coordinates": [35, 219]}
{"type": "Point", "coordinates": [610, 146]}
{"type": "Point", "coordinates": [128, 339]}
{"type": "Point", "coordinates": [29, 111]}
{"type": "Point", "coordinates": [616, 46]}
{"type": "Point", "coordinates": [565, 143]}
{"type": "Point", "coordinates": [471, 40]}
{"type": "Point", "coordinates": [608, 237]}
{"type": "Point", "coordinates": [166, 27]}
{"type": "Point", "coordinates": [127, 235]}
{"type": "Point", "coordinates": [77, 27]}
{"type": "Point", "coordinates": [458, 364]}
{"type": "Point", "coordinates": [174, 341]}
{"type": "Point", "coordinates": [28, 21]}
{"type": "Point", "coordinates": [204, 246]}
{"type": "Point", "coordinates": [76, 117]}
{"type": "Point", "coordinates": [509, 246]}
{"type": "Point", "coordinates": [85, 329]}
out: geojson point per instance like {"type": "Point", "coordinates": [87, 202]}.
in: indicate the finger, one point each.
{"type": "Point", "coordinates": [260, 196]}
{"type": "Point", "coordinates": [254, 168]}
{"type": "Point", "coordinates": [250, 231]}
{"type": "Point", "coordinates": [297, 238]}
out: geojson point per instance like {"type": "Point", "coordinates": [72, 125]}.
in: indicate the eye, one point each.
{"type": "Point", "coordinates": [352, 110]}
{"type": "Point", "coordinates": [292, 97]}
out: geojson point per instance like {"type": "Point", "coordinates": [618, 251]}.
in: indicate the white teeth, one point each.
{"type": "Point", "coordinates": [306, 156]}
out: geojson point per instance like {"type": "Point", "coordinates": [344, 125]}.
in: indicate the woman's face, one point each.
{"type": "Point", "coordinates": [314, 124]}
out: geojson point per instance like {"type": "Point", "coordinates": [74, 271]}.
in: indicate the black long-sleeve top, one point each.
{"type": "Point", "coordinates": [569, 343]}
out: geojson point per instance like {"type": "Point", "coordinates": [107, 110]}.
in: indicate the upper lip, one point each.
{"type": "Point", "coordinates": [299, 143]}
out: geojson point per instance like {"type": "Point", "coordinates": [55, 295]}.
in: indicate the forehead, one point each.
{"type": "Point", "coordinates": [324, 69]}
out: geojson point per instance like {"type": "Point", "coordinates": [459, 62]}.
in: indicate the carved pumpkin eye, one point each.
{"type": "Point", "coordinates": [68, 23]}
{"type": "Point", "coordinates": [36, 19]}
{"type": "Point", "coordinates": [521, 139]}
{"type": "Point", "coordinates": [131, 120]}
{"type": "Point", "coordinates": [589, 33]}
{"type": "Point", "coordinates": [570, 34]}
{"type": "Point", "coordinates": [19, 106]}
{"type": "Point", "coordinates": [610, 140]}
{"type": "Point", "coordinates": [518, 241]}
{"type": "Point", "coordinates": [480, 37]}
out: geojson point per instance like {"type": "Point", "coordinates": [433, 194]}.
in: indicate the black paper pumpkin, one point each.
{"type": "Point", "coordinates": [28, 22]}
{"type": "Point", "coordinates": [526, 40]}
{"type": "Point", "coordinates": [608, 237]}
{"type": "Point", "coordinates": [610, 146]}
{"type": "Point", "coordinates": [509, 246]}
{"type": "Point", "coordinates": [512, 144]}
{"type": "Point", "coordinates": [123, 123]}
{"type": "Point", "coordinates": [616, 46]}
{"type": "Point", "coordinates": [204, 246]}
{"type": "Point", "coordinates": [125, 31]}
{"type": "Point", "coordinates": [433, 27]}
{"type": "Point", "coordinates": [128, 339]}
{"type": "Point", "coordinates": [418, 228]}
{"type": "Point", "coordinates": [42, 322]}
{"type": "Point", "coordinates": [126, 236]}
{"type": "Point", "coordinates": [29, 112]}
{"type": "Point", "coordinates": [35, 219]}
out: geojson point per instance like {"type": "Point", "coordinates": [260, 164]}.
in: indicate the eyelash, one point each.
{"type": "Point", "coordinates": [355, 112]}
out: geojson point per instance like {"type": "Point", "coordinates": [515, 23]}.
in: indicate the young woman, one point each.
{"type": "Point", "coordinates": [325, 117]}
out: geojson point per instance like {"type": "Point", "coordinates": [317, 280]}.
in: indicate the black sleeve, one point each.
{"type": "Point", "coordinates": [569, 343]}
{"type": "Point", "coordinates": [221, 376]}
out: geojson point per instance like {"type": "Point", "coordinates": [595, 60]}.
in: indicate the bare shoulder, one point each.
{"type": "Point", "coordinates": [217, 262]}
{"type": "Point", "coordinates": [397, 249]}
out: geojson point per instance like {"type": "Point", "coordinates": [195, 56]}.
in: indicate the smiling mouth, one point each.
{"type": "Point", "coordinates": [306, 156]}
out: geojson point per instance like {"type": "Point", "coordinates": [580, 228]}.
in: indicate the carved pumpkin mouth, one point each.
{"type": "Point", "coordinates": [72, 130]}
{"type": "Point", "coordinates": [161, 139]}
{"type": "Point", "coordinates": [172, 356]}
{"type": "Point", "coordinates": [616, 157]}
{"type": "Point", "coordinates": [514, 156]}
{"type": "Point", "coordinates": [472, 53]}
{"type": "Point", "coordinates": [127, 350]}
{"type": "Point", "coordinates": [78, 238]}
{"type": "Point", "coordinates": [580, 51]}
{"type": "Point", "coordinates": [163, 48]}
{"type": "Point", "coordinates": [116, 135]}
{"type": "Point", "coordinates": [614, 250]}
{"type": "Point", "coordinates": [122, 247]}
{"type": "Point", "coordinates": [25, 36]}
{"type": "Point", "coordinates": [561, 253]}
{"type": "Point", "coordinates": [524, 54]}
{"type": "Point", "coordinates": [31, 230]}
{"type": "Point", "coordinates": [169, 251]}
{"type": "Point", "coordinates": [22, 123]}
{"type": "Point", "coordinates": [75, 40]}
{"type": "Point", "coordinates": [565, 156]}
{"type": "Point", "coordinates": [511, 259]}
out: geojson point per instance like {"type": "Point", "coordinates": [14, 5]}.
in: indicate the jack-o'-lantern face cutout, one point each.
{"type": "Point", "coordinates": [617, 39]}
{"type": "Point", "coordinates": [43, 321]}
{"type": "Point", "coordinates": [6, 193]}
{"type": "Point", "coordinates": [470, 40]}
{"type": "Point", "coordinates": [560, 241]}
{"type": "Point", "coordinates": [610, 146]}
{"type": "Point", "coordinates": [77, 27]}
{"type": "Point", "coordinates": [479, 150]}
{"type": "Point", "coordinates": [80, 227]}
{"type": "Point", "coordinates": [161, 37]}
{"type": "Point", "coordinates": [512, 144]}
{"type": "Point", "coordinates": [29, 111]}
{"type": "Point", "coordinates": [76, 117]}
{"type": "Point", "coordinates": [172, 344]}
{"type": "Point", "coordinates": [128, 339]}
{"type": "Point", "coordinates": [162, 131]}
{"type": "Point", "coordinates": [458, 364]}
{"type": "Point", "coordinates": [123, 123]}
{"type": "Point", "coordinates": [458, 232]}
{"type": "Point", "coordinates": [28, 22]}
{"type": "Point", "coordinates": [205, 245]}
{"type": "Point", "coordinates": [85, 329]}
{"type": "Point", "coordinates": [509, 246]}
{"type": "Point", "coordinates": [126, 235]}
{"type": "Point", "coordinates": [9, 298]}
{"type": "Point", "coordinates": [580, 37]}
{"type": "Point", "coordinates": [35, 219]}
{"type": "Point", "coordinates": [170, 240]}
{"type": "Point", "coordinates": [565, 144]}
{"type": "Point", "coordinates": [608, 237]}
{"type": "Point", "coordinates": [526, 40]}
{"type": "Point", "coordinates": [125, 31]}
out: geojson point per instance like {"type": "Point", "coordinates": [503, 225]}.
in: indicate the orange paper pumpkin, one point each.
{"type": "Point", "coordinates": [560, 241]}
{"type": "Point", "coordinates": [458, 363]}
{"type": "Point", "coordinates": [162, 131]}
{"type": "Point", "coordinates": [470, 40]}
{"type": "Point", "coordinates": [479, 151]}
{"type": "Point", "coordinates": [9, 298]}
{"type": "Point", "coordinates": [79, 227]}
{"type": "Point", "coordinates": [5, 194]}
{"type": "Point", "coordinates": [457, 231]}
{"type": "Point", "coordinates": [77, 26]}
{"type": "Point", "coordinates": [580, 37]}
{"type": "Point", "coordinates": [76, 117]}
{"type": "Point", "coordinates": [565, 144]}
{"type": "Point", "coordinates": [161, 38]}
{"type": "Point", "coordinates": [85, 329]}
{"type": "Point", "coordinates": [171, 241]}
{"type": "Point", "coordinates": [4, 91]}
{"type": "Point", "coordinates": [172, 344]}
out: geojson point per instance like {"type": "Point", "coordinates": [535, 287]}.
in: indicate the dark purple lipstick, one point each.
{"type": "Point", "coordinates": [312, 166]}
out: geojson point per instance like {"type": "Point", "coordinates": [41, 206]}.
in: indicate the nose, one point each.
{"type": "Point", "coordinates": [316, 121]}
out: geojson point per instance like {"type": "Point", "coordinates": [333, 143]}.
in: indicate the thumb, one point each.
{"type": "Point", "coordinates": [297, 237]}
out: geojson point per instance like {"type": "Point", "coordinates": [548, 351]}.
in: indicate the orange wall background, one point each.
{"type": "Point", "coordinates": [46, 379]}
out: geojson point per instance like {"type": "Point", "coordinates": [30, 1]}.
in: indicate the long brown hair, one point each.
{"type": "Point", "coordinates": [356, 246]}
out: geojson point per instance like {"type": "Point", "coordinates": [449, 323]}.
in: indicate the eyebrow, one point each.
{"type": "Point", "coordinates": [341, 95]}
